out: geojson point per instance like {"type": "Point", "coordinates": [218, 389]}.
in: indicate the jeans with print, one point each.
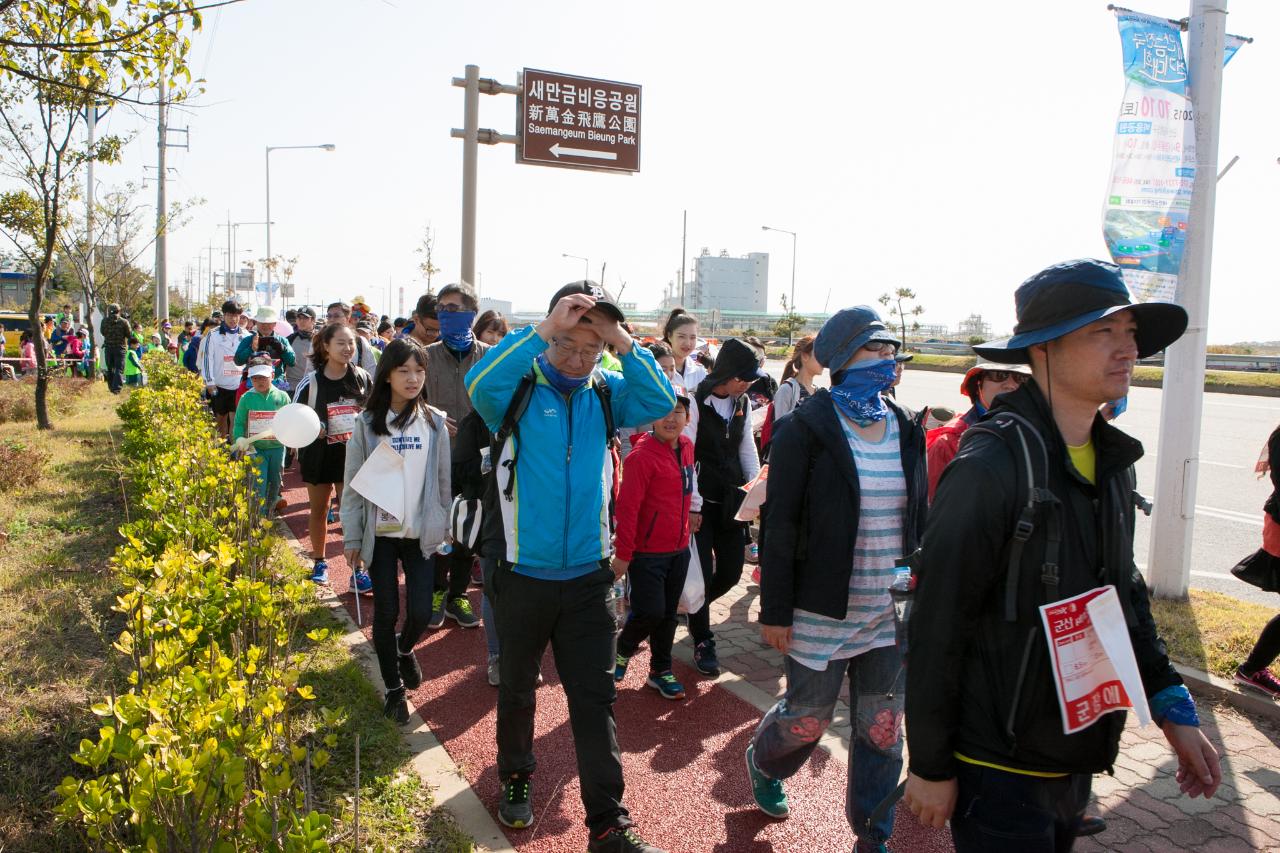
{"type": "Point", "coordinates": [789, 733]}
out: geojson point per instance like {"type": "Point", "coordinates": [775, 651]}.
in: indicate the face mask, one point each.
{"type": "Point", "coordinates": [455, 329]}
{"type": "Point", "coordinates": [563, 384]}
{"type": "Point", "coordinates": [856, 390]}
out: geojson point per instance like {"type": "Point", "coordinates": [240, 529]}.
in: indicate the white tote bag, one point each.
{"type": "Point", "coordinates": [694, 593]}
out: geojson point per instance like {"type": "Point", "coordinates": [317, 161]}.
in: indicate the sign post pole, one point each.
{"type": "Point", "coordinates": [470, 149]}
{"type": "Point", "coordinates": [1182, 403]}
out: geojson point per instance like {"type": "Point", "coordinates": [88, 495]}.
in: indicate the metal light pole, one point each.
{"type": "Point", "coordinates": [586, 264]}
{"type": "Point", "coordinates": [791, 306]}
{"type": "Point", "coordinates": [327, 146]}
{"type": "Point", "coordinates": [1182, 403]}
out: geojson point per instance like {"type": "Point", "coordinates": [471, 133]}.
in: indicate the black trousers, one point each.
{"type": "Point", "coordinates": [1266, 649]}
{"type": "Point", "coordinates": [571, 615]}
{"type": "Point", "coordinates": [1002, 812]}
{"type": "Point", "coordinates": [656, 584]}
{"type": "Point", "coordinates": [453, 571]}
{"type": "Point", "coordinates": [388, 554]}
{"type": "Point", "coordinates": [114, 357]}
{"type": "Point", "coordinates": [722, 544]}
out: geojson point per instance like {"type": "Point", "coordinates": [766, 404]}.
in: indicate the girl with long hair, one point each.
{"type": "Point", "coordinates": [797, 378]}
{"type": "Point", "coordinates": [680, 332]}
{"type": "Point", "coordinates": [382, 542]}
{"type": "Point", "coordinates": [337, 390]}
{"type": "Point", "coordinates": [490, 327]}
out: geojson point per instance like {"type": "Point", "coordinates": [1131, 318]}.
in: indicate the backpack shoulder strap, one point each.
{"type": "Point", "coordinates": [605, 393]}
{"type": "Point", "coordinates": [1001, 425]}
{"type": "Point", "coordinates": [510, 426]}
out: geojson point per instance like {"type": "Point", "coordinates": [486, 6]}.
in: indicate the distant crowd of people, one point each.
{"type": "Point", "coordinates": [552, 462]}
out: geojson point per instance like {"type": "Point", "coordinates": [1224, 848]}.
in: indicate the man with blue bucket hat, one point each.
{"type": "Point", "coordinates": [1036, 508]}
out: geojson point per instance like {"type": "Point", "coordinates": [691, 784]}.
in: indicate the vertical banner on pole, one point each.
{"type": "Point", "coordinates": [1153, 159]}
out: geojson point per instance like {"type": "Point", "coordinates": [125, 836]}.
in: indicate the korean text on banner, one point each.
{"type": "Point", "coordinates": [1094, 669]}
{"type": "Point", "coordinates": [1153, 159]}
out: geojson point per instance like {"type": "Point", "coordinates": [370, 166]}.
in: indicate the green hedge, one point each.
{"type": "Point", "coordinates": [207, 747]}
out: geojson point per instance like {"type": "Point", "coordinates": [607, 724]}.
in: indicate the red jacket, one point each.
{"type": "Point", "coordinates": [942, 443]}
{"type": "Point", "coordinates": [652, 510]}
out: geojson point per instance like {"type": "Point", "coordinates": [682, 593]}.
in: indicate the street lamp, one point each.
{"type": "Point", "coordinates": [586, 264]}
{"type": "Point", "coordinates": [792, 305]}
{"type": "Point", "coordinates": [328, 146]}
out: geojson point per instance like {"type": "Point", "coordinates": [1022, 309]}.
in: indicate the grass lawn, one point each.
{"type": "Point", "coordinates": [1210, 631]}
{"type": "Point", "coordinates": [61, 503]}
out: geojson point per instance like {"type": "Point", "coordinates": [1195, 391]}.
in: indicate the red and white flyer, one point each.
{"type": "Point", "coordinates": [260, 422]}
{"type": "Point", "coordinates": [342, 421]}
{"type": "Point", "coordinates": [1094, 670]}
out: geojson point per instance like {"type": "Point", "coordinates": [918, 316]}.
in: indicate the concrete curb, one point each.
{"type": "Point", "coordinates": [1211, 686]}
{"type": "Point", "coordinates": [449, 787]}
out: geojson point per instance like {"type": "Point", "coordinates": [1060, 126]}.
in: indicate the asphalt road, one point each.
{"type": "Point", "coordinates": [1229, 497]}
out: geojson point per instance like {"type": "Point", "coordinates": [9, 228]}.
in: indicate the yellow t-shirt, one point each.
{"type": "Point", "coordinates": [1085, 460]}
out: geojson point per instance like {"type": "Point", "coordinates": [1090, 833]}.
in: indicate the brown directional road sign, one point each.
{"type": "Point", "coordinates": [579, 122]}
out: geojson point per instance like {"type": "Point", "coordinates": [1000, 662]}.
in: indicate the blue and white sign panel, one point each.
{"type": "Point", "coordinates": [1153, 159]}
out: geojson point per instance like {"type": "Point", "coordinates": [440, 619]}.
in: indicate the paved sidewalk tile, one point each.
{"type": "Point", "coordinates": [1141, 802]}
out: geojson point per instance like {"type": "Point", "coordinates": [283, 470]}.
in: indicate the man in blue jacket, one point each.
{"type": "Point", "coordinates": [555, 478]}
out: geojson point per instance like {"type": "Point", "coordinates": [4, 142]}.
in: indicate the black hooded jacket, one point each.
{"type": "Point", "coordinates": [810, 524]}
{"type": "Point", "coordinates": [978, 684]}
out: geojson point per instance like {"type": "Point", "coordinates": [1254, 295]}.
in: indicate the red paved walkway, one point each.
{"type": "Point", "coordinates": [686, 785]}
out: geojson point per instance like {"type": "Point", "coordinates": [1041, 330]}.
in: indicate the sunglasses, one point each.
{"type": "Point", "coordinates": [999, 376]}
{"type": "Point", "coordinates": [881, 346]}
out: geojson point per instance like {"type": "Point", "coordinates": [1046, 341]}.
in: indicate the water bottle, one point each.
{"type": "Point", "coordinates": [902, 591]}
{"type": "Point", "coordinates": [616, 601]}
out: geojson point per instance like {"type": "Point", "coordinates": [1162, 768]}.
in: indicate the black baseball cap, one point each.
{"type": "Point", "coordinates": [308, 310]}
{"type": "Point", "coordinates": [604, 300]}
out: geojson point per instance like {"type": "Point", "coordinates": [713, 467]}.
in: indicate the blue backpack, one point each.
{"type": "Point", "coordinates": [189, 357]}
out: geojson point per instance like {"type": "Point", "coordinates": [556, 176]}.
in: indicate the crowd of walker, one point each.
{"type": "Point", "coordinates": [546, 463]}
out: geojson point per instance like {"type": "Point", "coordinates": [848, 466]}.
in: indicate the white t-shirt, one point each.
{"type": "Point", "coordinates": [412, 442]}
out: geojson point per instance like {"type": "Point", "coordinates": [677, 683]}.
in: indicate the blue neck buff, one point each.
{"type": "Point", "coordinates": [856, 390]}
{"type": "Point", "coordinates": [560, 382]}
{"type": "Point", "coordinates": [455, 329]}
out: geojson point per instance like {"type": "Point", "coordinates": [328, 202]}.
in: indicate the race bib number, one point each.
{"type": "Point", "coordinates": [260, 422]}
{"type": "Point", "coordinates": [1094, 668]}
{"type": "Point", "coordinates": [342, 421]}
{"type": "Point", "coordinates": [230, 370]}
{"type": "Point", "coordinates": [386, 524]}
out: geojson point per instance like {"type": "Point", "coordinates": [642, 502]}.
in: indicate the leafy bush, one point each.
{"type": "Point", "coordinates": [209, 747]}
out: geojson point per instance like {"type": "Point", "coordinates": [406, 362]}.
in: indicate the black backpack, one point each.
{"type": "Point", "coordinates": [492, 536]}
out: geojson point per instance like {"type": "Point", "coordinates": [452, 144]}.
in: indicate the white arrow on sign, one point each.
{"type": "Point", "coordinates": [557, 150]}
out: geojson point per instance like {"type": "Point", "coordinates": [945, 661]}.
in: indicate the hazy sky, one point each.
{"type": "Point", "coordinates": [952, 147]}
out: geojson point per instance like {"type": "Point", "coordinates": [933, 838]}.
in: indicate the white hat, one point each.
{"type": "Point", "coordinates": [262, 370]}
{"type": "Point", "coordinates": [266, 314]}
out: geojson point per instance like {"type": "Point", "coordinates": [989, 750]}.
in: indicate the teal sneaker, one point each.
{"type": "Point", "coordinates": [768, 793]}
{"type": "Point", "coordinates": [620, 668]}
{"type": "Point", "coordinates": [437, 609]}
{"type": "Point", "coordinates": [665, 683]}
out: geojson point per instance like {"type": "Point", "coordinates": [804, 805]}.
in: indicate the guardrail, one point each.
{"type": "Point", "coordinates": [1213, 361]}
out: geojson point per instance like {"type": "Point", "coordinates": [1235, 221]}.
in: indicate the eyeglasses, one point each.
{"type": "Point", "coordinates": [999, 376]}
{"type": "Point", "coordinates": [589, 356]}
{"type": "Point", "coordinates": [449, 308]}
{"type": "Point", "coordinates": [881, 346]}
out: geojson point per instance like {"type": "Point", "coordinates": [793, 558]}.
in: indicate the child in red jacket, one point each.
{"type": "Point", "coordinates": [656, 511]}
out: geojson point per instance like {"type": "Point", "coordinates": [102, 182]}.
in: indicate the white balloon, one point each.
{"type": "Point", "coordinates": [296, 425]}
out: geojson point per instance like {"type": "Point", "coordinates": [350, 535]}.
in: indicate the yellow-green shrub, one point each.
{"type": "Point", "coordinates": [204, 750]}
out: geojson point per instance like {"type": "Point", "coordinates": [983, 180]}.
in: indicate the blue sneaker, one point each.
{"type": "Point", "coordinates": [665, 683]}
{"type": "Point", "coordinates": [768, 793]}
{"type": "Point", "coordinates": [320, 572]}
{"type": "Point", "coordinates": [620, 668]}
{"type": "Point", "coordinates": [333, 515]}
{"type": "Point", "coordinates": [362, 583]}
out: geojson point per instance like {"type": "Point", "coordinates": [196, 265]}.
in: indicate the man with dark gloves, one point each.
{"type": "Point", "coordinates": [555, 481]}
{"type": "Point", "coordinates": [986, 731]}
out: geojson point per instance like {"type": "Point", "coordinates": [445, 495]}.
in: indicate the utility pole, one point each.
{"type": "Point", "coordinates": [684, 252]}
{"type": "Point", "coordinates": [1182, 403]}
{"type": "Point", "coordinates": [162, 287]}
{"type": "Point", "coordinates": [91, 116]}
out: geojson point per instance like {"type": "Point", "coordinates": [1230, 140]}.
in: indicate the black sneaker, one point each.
{"type": "Point", "coordinates": [396, 708]}
{"type": "Point", "coordinates": [1090, 825]}
{"type": "Point", "coordinates": [704, 658]}
{"type": "Point", "coordinates": [621, 839]}
{"type": "Point", "coordinates": [410, 672]}
{"type": "Point", "coordinates": [514, 808]}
